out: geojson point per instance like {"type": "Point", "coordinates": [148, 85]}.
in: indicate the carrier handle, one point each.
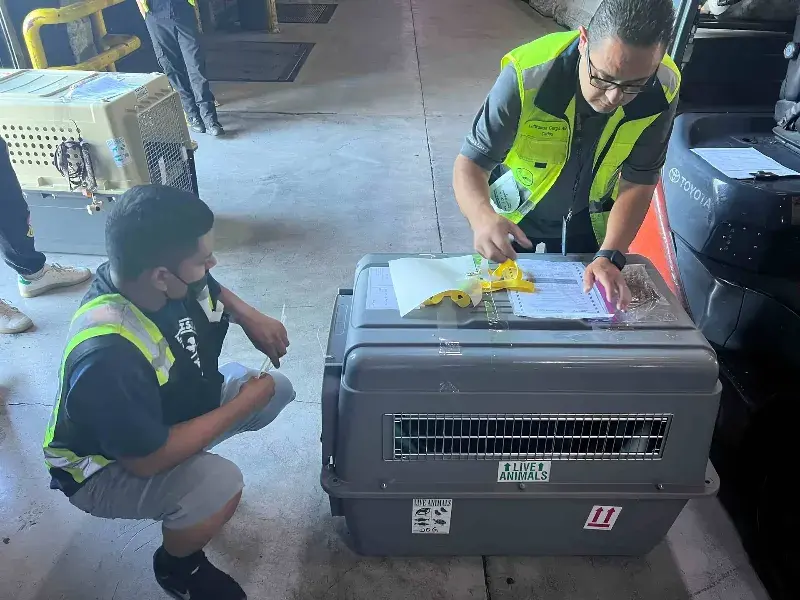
{"type": "Point", "coordinates": [332, 377]}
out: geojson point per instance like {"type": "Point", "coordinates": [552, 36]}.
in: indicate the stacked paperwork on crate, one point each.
{"type": "Point", "coordinates": [408, 283]}
{"type": "Point", "coordinates": [559, 293]}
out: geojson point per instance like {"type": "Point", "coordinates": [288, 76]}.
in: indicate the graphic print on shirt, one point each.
{"type": "Point", "coordinates": [187, 338]}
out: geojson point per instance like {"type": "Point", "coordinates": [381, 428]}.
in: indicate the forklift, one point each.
{"type": "Point", "coordinates": [733, 245]}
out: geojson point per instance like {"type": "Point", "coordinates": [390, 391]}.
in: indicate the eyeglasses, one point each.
{"type": "Point", "coordinates": [605, 84]}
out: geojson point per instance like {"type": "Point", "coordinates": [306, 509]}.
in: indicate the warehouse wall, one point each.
{"type": "Point", "coordinates": [81, 39]}
{"type": "Point", "coordinates": [572, 13]}
{"type": "Point", "coordinates": [569, 13]}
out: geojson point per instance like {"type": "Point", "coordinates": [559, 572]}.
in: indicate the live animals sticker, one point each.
{"type": "Point", "coordinates": [530, 471]}
{"type": "Point", "coordinates": [431, 516]}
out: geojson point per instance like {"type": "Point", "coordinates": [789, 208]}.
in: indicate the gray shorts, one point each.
{"type": "Point", "coordinates": [194, 490]}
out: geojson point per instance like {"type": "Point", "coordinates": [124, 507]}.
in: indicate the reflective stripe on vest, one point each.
{"type": "Point", "coordinates": [146, 8]}
{"type": "Point", "coordinates": [543, 143]}
{"type": "Point", "coordinates": [110, 314]}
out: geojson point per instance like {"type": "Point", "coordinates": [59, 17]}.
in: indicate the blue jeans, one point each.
{"type": "Point", "coordinates": [16, 236]}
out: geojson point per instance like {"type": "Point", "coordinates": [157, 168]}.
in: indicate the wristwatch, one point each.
{"type": "Point", "coordinates": [616, 257]}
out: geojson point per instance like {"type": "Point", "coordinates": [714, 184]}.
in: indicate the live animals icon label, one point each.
{"type": "Point", "coordinates": [532, 471]}
{"type": "Point", "coordinates": [602, 517]}
{"type": "Point", "coordinates": [431, 515]}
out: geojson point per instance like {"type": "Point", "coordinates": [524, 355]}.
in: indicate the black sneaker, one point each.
{"type": "Point", "coordinates": [194, 578]}
{"type": "Point", "coordinates": [215, 129]}
{"type": "Point", "coordinates": [196, 125]}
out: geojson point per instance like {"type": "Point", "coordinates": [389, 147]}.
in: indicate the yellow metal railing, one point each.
{"type": "Point", "coordinates": [113, 47]}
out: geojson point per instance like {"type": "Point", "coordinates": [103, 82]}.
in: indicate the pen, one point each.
{"type": "Point", "coordinates": [267, 365]}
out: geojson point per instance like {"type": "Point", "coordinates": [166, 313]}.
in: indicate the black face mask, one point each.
{"type": "Point", "coordinates": [194, 288]}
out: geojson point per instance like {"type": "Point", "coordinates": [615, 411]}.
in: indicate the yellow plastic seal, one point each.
{"type": "Point", "coordinates": [457, 296]}
{"type": "Point", "coordinates": [508, 276]}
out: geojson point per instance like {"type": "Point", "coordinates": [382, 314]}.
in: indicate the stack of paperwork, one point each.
{"type": "Point", "coordinates": [559, 293]}
{"type": "Point", "coordinates": [408, 283]}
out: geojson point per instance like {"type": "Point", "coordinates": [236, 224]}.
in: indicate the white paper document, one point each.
{"type": "Point", "coordinates": [742, 163]}
{"type": "Point", "coordinates": [415, 280]}
{"type": "Point", "coordinates": [559, 293]}
{"type": "Point", "coordinates": [380, 295]}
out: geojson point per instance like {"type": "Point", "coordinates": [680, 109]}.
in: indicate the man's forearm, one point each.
{"type": "Point", "coordinates": [235, 306]}
{"type": "Point", "coordinates": [627, 215]}
{"type": "Point", "coordinates": [471, 187]}
{"type": "Point", "coordinates": [190, 437]}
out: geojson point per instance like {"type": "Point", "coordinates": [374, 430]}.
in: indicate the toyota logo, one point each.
{"type": "Point", "coordinates": [674, 175]}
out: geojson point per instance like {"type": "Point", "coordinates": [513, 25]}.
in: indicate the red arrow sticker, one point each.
{"type": "Point", "coordinates": [602, 517]}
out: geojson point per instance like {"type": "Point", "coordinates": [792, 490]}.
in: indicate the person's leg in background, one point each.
{"type": "Point", "coordinates": [195, 60]}
{"type": "Point", "coordinates": [163, 34]}
{"type": "Point", "coordinates": [18, 247]}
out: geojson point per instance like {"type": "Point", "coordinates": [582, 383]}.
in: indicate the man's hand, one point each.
{"type": "Point", "coordinates": [267, 334]}
{"type": "Point", "coordinates": [493, 236]}
{"type": "Point", "coordinates": [258, 391]}
{"type": "Point", "coordinates": [603, 271]}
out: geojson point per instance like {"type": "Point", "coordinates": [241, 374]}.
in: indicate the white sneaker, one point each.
{"type": "Point", "coordinates": [12, 320]}
{"type": "Point", "coordinates": [52, 277]}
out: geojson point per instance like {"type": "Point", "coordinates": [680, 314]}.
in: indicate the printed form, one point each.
{"type": "Point", "coordinates": [559, 293]}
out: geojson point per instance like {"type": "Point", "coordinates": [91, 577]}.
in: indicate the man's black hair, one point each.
{"type": "Point", "coordinates": [642, 23]}
{"type": "Point", "coordinates": [154, 226]}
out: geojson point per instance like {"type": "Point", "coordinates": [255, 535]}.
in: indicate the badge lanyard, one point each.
{"type": "Point", "coordinates": [577, 145]}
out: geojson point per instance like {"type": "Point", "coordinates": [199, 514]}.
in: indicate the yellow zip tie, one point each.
{"type": "Point", "coordinates": [508, 277]}
{"type": "Point", "coordinates": [457, 296]}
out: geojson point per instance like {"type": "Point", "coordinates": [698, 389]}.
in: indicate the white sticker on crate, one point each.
{"type": "Point", "coordinates": [119, 151]}
{"type": "Point", "coordinates": [602, 518]}
{"type": "Point", "coordinates": [431, 515]}
{"type": "Point", "coordinates": [533, 471]}
{"type": "Point", "coordinates": [141, 92]}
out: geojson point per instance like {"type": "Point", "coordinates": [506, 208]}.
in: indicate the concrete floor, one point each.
{"type": "Point", "coordinates": [354, 157]}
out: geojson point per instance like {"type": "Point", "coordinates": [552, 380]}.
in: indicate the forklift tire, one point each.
{"type": "Point", "coordinates": [769, 509]}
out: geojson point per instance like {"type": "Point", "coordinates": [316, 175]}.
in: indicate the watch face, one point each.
{"type": "Point", "coordinates": [790, 50]}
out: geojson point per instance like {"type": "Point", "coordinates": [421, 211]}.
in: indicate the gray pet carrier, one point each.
{"type": "Point", "coordinates": [470, 431]}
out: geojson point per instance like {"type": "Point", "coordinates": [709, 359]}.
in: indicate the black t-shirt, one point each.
{"type": "Point", "coordinates": [114, 403]}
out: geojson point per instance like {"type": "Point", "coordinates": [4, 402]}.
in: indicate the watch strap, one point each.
{"type": "Point", "coordinates": [616, 257]}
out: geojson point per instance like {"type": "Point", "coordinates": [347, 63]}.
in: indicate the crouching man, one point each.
{"type": "Point", "coordinates": [142, 398]}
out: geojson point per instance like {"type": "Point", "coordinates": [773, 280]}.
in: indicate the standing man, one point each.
{"type": "Point", "coordinates": [572, 138]}
{"type": "Point", "coordinates": [172, 25]}
{"type": "Point", "coordinates": [141, 396]}
{"type": "Point", "coordinates": [35, 276]}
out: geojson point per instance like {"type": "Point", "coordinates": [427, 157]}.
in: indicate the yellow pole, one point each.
{"type": "Point", "coordinates": [100, 32]}
{"type": "Point", "coordinates": [36, 19]}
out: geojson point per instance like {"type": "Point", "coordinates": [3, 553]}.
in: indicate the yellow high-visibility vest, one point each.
{"type": "Point", "coordinates": [544, 139]}
{"type": "Point", "coordinates": [110, 314]}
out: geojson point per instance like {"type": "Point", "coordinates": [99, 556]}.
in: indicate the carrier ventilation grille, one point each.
{"type": "Point", "coordinates": [529, 437]}
{"type": "Point", "coordinates": [35, 145]}
{"type": "Point", "coordinates": [164, 145]}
